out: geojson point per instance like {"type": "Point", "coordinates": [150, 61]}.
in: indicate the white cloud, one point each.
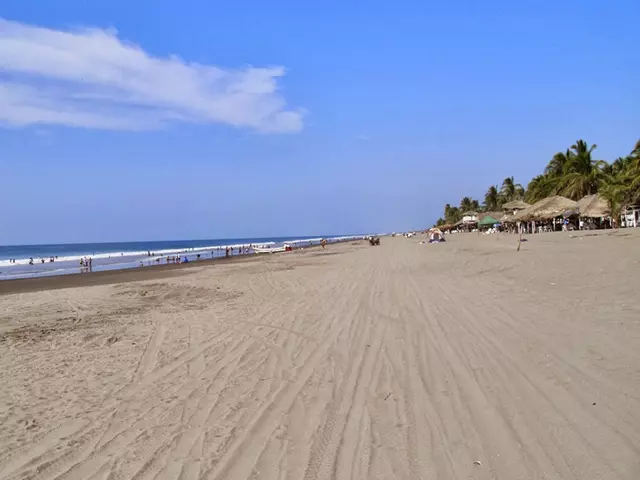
{"type": "Point", "coordinates": [363, 137]}
{"type": "Point", "coordinates": [90, 78]}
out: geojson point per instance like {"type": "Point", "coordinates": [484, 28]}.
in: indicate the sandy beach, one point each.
{"type": "Point", "coordinates": [464, 360]}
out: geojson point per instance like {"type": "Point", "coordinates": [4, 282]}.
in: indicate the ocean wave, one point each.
{"type": "Point", "coordinates": [125, 254]}
{"type": "Point", "coordinates": [130, 255]}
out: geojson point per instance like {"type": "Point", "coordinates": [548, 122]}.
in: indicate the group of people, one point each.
{"type": "Point", "coordinates": [86, 264]}
{"type": "Point", "coordinates": [31, 261]}
{"type": "Point", "coordinates": [242, 248]}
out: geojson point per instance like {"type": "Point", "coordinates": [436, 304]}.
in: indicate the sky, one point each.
{"type": "Point", "coordinates": [157, 120]}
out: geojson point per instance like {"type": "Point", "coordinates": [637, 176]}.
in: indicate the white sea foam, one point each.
{"type": "Point", "coordinates": [125, 254]}
{"type": "Point", "coordinates": [129, 256]}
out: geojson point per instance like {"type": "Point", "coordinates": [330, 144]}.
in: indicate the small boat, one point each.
{"type": "Point", "coordinates": [283, 248]}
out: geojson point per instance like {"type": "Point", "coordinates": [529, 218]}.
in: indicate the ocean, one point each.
{"type": "Point", "coordinates": [20, 261]}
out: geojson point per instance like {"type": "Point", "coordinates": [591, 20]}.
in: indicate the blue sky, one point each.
{"type": "Point", "coordinates": [164, 120]}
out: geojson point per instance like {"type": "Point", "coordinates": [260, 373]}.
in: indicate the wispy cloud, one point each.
{"type": "Point", "coordinates": [90, 78]}
{"type": "Point", "coordinates": [363, 137]}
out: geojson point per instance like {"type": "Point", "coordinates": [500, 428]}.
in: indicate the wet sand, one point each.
{"type": "Point", "coordinates": [465, 360]}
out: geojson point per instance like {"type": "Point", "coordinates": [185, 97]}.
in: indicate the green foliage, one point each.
{"type": "Point", "coordinates": [573, 173]}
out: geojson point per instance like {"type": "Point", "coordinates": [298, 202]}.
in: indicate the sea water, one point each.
{"type": "Point", "coordinates": [120, 255]}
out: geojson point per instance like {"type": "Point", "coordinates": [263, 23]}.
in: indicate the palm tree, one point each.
{"type": "Point", "coordinates": [451, 214]}
{"type": "Point", "coordinates": [539, 187]}
{"type": "Point", "coordinates": [465, 204]}
{"type": "Point", "coordinates": [615, 193]}
{"type": "Point", "coordinates": [511, 190]}
{"type": "Point", "coordinates": [557, 164]}
{"type": "Point", "coordinates": [630, 174]}
{"type": "Point", "coordinates": [492, 199]}
{"type": "Point", "coordinates": [582, 175]}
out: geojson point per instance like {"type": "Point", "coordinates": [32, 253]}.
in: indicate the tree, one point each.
{"type": "Point", "coordinates": [465, 204]}
{"type": "Point", "coordinates": [539, 187]}
{"type": "Point", "coordinates": [574, 174]}
{"type": "Point", "coordinates": [452, 214]}
{"type": "Point", "coordinates": [511, 190]}
{"type": "Point", "coordinates": [557, 164]}
{"type": "Point", "coordinates": [615, 192]}
{"type": "Point", "coordinates": [630, 175]}
{"type": "Point", "coordinates": [492, 199]}
{"type": "Point", "coordinates": [582, 175]}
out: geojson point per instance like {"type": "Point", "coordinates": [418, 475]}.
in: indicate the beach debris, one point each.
{"type": "Point", "coordinates": [477, 462]}
{"type": "Point", "coordinates": [388, 395]}
{"type": "Point", "coordinates": [594, 403]}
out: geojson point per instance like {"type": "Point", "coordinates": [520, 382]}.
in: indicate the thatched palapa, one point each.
{"type": "Point", "coordinates": [547, 208]}
{"type": "Point", "coordinates": [515, 205]}
{"type": "Point", "coordinates": [594, 206]}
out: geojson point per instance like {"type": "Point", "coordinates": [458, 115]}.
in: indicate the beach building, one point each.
{"type": "Point", "coordinates": [593, 211]}
{"type": "Point", "coordinates": [511, 208]}
{"type": "Point", "coordinates": [509, 212]}
{"type": "Point", "coordinates": [547, 214]}
{"type": "Point", "coordinates": [469, 221]}
{"type": "Point", "coordinates": [631, 216]}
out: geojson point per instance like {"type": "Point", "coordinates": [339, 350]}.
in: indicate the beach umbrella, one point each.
{"type": "Point", "coordinates": [488, 220]}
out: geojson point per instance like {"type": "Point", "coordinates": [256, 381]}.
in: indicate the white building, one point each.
{"type": "Point", "coordinates": [631, 217]}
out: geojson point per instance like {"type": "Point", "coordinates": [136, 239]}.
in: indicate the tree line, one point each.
{"type": "Point", "coordinates": [574, 174]}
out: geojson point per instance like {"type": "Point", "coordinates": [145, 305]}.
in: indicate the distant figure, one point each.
{"type": "Point", "coordinates": [226, 253]}
{"type": "Point", "coordinates": [186, 260]}
{"type": "Point", "coordinates": [42, 260]}
{"type": "Point", "coordinates": [198, 257]}
{"type": "Point", "coordinates": [324, 243]}
{"type": "Point", "coordinates": [31, 261]}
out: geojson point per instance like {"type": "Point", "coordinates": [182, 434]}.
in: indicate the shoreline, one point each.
{"type": "Point", "coordinates": [135, 274]}
{"type": "Point", "coordinates": [45, 263]}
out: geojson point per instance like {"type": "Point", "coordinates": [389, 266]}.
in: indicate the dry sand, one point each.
{"type": "Point", "coordinates": [466, 360]}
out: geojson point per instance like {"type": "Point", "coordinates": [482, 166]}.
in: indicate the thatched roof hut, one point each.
{"type": "Point", "coordinates": [547, 208]}
{"type": "Point", "coordinates": [515, 205]}
{"type": "Point", "coordinates": [593, 206]}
